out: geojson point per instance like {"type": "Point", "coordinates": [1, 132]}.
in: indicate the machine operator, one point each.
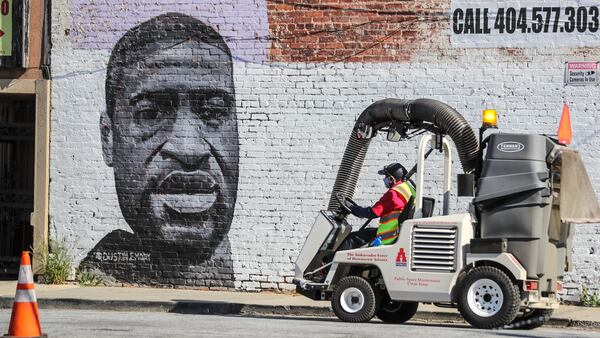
{"type": "Point", "coordinates": [388, 208]}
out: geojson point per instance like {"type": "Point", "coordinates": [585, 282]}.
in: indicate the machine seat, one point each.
{"type": "Point", "coordinates": [408, 211]}
{"type": "Point", "coordinates": [428, 207]}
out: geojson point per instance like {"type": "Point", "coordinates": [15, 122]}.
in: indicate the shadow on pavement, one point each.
{"type": "Point", "coordinates": [212, 308]}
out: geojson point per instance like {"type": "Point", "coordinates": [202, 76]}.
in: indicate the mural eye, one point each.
{"type": "Point", "coordinates": [146, 114]}
{"type": "Point", "coordinates": [213, 109]}
{"type": "Point", "coordinates": [216, 101]}
{"type": "Point", "coordinates": [153, 109]}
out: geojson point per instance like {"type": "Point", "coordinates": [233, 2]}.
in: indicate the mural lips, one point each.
{"type": "Point", "coordinates": [187, 192]}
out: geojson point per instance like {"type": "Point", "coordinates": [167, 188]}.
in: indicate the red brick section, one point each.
{"type": "Point", "coordinates": [353, 31]}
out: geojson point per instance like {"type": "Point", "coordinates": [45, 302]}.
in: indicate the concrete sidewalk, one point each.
{"type": "Point", "coordinates": [222, 302]}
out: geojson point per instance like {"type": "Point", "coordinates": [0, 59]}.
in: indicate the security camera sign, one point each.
{"type": "Point", "coordinates": [581, 73]}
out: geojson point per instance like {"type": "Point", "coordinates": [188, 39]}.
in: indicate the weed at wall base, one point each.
{"type": "Point", "coordinates": [589, 298]}
{"type": "Point", "coordinates": [57, 263]}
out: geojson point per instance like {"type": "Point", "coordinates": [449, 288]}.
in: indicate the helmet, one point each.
{"type": "Point", "coordinates": [396, 170]}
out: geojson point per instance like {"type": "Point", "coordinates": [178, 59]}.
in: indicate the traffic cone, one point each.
{"type": "Point", "coordinates": [25, 319]}
{"type": "Point", "coordinates": [564, 127]}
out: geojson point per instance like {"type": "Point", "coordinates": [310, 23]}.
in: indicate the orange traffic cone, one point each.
{"type": "Point", "coordinates": [25, 319]}
{"type": "Point", "coordinates": [564, 127]}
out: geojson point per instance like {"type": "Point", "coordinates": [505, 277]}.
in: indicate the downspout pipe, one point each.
{"type": "Point", "coordinates": [443, 117]}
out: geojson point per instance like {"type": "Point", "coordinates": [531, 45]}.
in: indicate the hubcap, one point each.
{"type": "Point", "coordinates": [352, 300]}
{"type": "Point", "coordinates": [485, 297]}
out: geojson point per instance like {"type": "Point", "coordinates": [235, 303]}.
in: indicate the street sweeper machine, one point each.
{"type": "Point", "coordinates": [501, 262]}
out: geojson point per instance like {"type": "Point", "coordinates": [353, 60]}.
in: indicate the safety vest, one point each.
{"type": "Point", "coordinates": [389, 229]}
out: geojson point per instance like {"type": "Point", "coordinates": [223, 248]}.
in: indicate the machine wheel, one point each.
{"type": "Point", "coordinates": [396, 312]}
{"type": "Point", "coordinates": [354, 300]}
{"type": "Point", "coordinates": [488, 298]}
{"type": "Point", "coordinates": [531, 319]}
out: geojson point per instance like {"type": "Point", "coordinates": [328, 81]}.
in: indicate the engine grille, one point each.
{"type": "Point", "coordinates": [433, 248]}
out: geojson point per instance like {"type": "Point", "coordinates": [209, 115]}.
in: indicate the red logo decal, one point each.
{"type": "Point", "coordinates": [401, 258]}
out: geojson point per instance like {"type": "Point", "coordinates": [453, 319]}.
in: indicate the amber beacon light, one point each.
{"type": "Point", "coordinates": [490, 118]}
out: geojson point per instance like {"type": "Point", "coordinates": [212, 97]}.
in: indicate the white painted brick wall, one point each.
{"type": "Point", "coordinates": [294, 121]}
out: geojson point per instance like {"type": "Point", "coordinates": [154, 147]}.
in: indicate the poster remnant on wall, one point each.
{"type": "Point", "coordinates": [525, 24]}
{"type": "Point", "coordinates": [6, 22]}
{"type": "Point", "coordinates": [581, 73]}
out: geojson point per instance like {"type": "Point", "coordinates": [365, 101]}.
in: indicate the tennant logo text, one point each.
{"type": "Point", "coordinates": [510, 147]}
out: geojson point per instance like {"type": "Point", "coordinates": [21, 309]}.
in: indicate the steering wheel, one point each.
{"type": "Point", "coordinates": [345, 203]}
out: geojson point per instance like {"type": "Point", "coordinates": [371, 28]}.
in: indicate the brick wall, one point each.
{"type": "Point", "coordinates": [353, 31]}
{"type": "Point", "coordinates": [302, 74]}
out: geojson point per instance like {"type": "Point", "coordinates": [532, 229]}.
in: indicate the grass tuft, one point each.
{"type": "Point", "coordinates": [589, 298]}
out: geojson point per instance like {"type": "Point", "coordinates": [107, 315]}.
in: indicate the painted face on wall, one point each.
{"type": "Point", "coordinates": [175, 143]}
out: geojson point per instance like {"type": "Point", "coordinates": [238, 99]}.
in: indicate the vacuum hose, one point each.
{"type": "Point", "coordinates": [443, 117]}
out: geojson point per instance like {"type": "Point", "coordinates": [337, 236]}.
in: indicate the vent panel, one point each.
{"type": "Point", "coordinates": [433, 248]}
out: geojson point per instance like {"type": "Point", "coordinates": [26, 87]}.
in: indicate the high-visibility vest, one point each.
{"type": "Point", "coordinates": [389, 229]}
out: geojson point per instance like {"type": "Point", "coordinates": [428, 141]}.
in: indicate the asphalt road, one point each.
{"type": "Point", "coordinates": [81, 323]}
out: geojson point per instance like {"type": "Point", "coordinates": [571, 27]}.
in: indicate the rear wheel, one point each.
{"type": "Point", "coordinates": [488, 298]}
{"type": "Point", "coordinates": [354, 300]}
{"type": "Point", "coordinates": [531, 319]}
{"type": "Point", "coordinates": [396, 312]}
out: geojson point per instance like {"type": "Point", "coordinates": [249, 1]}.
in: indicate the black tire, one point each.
{"type": "Point", "coordinates": [488, 298]}
{"type": "Point", "coordinates": [355, 300]}
{"type": "Point", "coordinates": [531, 319]}
{"type": "Point", "coordinates": [396, 312]}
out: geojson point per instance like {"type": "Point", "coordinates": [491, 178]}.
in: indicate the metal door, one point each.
{"type": "Point", "coordinates": [17, 131]}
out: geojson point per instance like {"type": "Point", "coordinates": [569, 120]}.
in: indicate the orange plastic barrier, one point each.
{"type": "Point", "coordinates": [564, 128]}
{"type": "Point", "coordinates": [25, 319]}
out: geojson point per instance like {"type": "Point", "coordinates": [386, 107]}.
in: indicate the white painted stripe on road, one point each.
{"type": "Point", "coordinates": [25, 296]}
{"type": "Point", "coordinates": [25, 275]}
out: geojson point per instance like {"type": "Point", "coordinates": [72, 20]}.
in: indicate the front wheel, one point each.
{"type": "Point", "coordinates": [396, 312]}
{"type": "Point", "coordinates": [488, 298]}
{"type": "Point", "coordinates": [354, 300]}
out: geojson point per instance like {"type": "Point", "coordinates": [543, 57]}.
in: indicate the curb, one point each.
{"type": "Point", "coordinates": [183, 307]}
{"type": "Point", "coordinates": [227, 308]}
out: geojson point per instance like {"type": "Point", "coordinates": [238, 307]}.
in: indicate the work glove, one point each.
{"type": "Point", "coordinates": [376, 241]}
{"type": "Point", "coordinates": [362, 212]}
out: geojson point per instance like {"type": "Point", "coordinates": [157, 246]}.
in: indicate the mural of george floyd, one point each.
{"type": "Point", "coordinates": [193, 142]}
{"type": "Point", "coordinates": [170, 133]}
